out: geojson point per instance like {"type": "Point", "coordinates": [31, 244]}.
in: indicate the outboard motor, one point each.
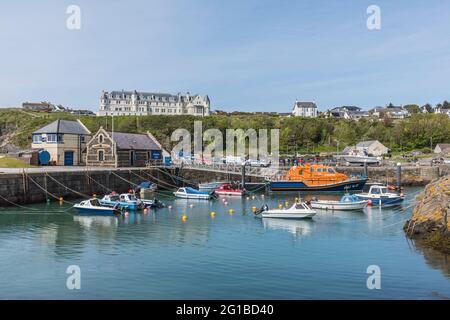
{"type": "Point", "coordinates": [263, 208]}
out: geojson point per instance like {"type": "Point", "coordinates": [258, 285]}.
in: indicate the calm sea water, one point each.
{"type": "Point", "coordinates": [230, 256]}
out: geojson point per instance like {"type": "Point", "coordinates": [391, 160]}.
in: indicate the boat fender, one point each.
{"type": "Point", "coordinates": [369, 202]}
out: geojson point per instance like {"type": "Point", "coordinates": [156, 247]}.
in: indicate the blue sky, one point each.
{"type": "Point", "coordinates": [252, 55]}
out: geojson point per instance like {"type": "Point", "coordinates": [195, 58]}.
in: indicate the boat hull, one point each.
{"type": "Point", "coordinates": [292, 185]}
{"type": "Point", "coordinates": [120, 205]}
{"type": "Point", "coordinates": [336, 205]}
{"type": "Point", "coordinates": [96, 212]}
{"type": "Point", "coordinates": [287, 215]}
{"type": "Point", "coordinates": [229, 193]}
{"type": "Point", "coordinates": [382, 201]}
{"type": "Point", "coordinates": [192, 196]}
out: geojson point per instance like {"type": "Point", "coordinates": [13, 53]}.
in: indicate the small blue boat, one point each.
{"type": "Point", "coordinates": [347, 202]}
{"type": "Point", "coordinates": [94, 207]}
{"type": "Point", "coordinates": [380, 196]}
{"type": "Point", "coordinates": [124, 201]}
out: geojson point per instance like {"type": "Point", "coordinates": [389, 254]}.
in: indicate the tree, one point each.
{"type": "Point", "coordinates": [412, 108]}
{"type": "Point", "coordinates": [428, 107]}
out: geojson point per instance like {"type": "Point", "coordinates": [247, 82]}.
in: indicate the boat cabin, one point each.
{"type": "Point", "coordinates": [379, 190]}
{"type": "Point", "coordinates": [315, 174]}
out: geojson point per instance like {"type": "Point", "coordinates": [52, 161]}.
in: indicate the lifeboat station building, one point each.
{"type": "Point", "coordinates": [119, 149]}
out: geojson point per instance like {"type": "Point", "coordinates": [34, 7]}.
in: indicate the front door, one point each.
{"type": "Point", "coordinates": [131, 158]}
{"type": "Point", "coordinates": [68, 158]}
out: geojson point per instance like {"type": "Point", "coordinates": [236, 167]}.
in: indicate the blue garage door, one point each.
{"type": "Point", "coordinates": [68, 158]}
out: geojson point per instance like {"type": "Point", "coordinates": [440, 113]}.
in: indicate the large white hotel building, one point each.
{"type": "Point", "coordinates": [122, 103]}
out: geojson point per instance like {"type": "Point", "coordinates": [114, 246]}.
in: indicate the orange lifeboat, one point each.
{"type": "Point", "coordinates": [317, 177]}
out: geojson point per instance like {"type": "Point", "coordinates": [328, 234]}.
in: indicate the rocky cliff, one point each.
{"type": "Point", "coordinates": [430, 221]}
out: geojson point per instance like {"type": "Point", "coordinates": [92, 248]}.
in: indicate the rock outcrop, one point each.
{"type": "Point", "coordinates": [430, 221]}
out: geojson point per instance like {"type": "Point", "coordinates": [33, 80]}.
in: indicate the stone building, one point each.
{"type": "Point", "coordinates": [119, 149]}
{"type": "Point", "coordinates": [146, 103]}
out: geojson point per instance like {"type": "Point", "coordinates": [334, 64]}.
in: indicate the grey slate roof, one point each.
{"type": "Point", "coordinates": [134, 141]}
{"type": "Point", "coordinates": [305, 104]}
{"type": "Point", "coordinates": [365, 144]}
{"type": "Point", "coordinates": [63, 126]}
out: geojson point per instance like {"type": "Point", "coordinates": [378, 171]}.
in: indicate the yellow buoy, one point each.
{"type": "Point", "coordinates": [213, 214]}
{"type": "Point", "coordinates": [231, 211]}
{"type": "Point", "coordinates": [280, 206]}
{"type": "Point", "coordinates": [286, 203]}
{"type": "Point", "coordinates": [184, 217]}
{"type": "Point", "coordinates": [253, 209]}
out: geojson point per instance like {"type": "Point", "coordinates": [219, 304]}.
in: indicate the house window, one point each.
{"type": "Point", "coordinates": [101, 155]}
{"type": "Point", "coordinates": [100, 138]}
{"type": "Point", "coordinates": [37, 138]}
{"type": "Point", "coordinates": [51, 137]}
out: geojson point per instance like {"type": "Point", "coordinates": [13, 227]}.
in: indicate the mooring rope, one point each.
{"type": "Point", "coordinates": [156, 191]}
{"type": "Point", "coordinates": [101, 185]}
{"type": "Point", "coordinates": [130, 182]}
{"type": "Point", "coordinates": [160, 181]}
{"type": "Point", "coordinates": [43, 189]}
{"type": "Point", "coordinates": [16, 204]}
{"type": "Point", "coordinates": [61, 184]}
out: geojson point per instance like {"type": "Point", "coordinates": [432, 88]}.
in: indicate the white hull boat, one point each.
{"type": "Point", "coordinates": [190, 193]}
{"type": "Point", "coordinates": [209, 186]}
{"type": "Point", "coordinates": [297, 211]}
{"type": "Point", "coordinates": [347, 202]}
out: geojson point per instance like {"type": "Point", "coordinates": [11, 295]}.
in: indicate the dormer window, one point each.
{"type": "Point", "coordinates": [101, 138]}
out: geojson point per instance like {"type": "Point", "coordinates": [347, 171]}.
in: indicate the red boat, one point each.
{"type": "Point", "coordinates": [227, 190]}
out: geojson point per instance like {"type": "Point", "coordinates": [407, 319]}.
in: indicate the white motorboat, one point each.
{"type": "Point", "coordinates": [299, 210]}
{"type": "Point", "coordinates": [380, 196]}
{"type": "Point", "coordinates": [94, 207]}
{"type": "Point", "coordinates": [210, 186]}
{"type": "Point", "coordinates": [191, 193]}
{"type": "Point", "coordinates": [347, 202]}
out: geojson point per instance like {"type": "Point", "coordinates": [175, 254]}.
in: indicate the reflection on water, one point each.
{"type": "Point", "coordinates": [160, 256]}
{"type": "Point", "coordinates": [298, 228]}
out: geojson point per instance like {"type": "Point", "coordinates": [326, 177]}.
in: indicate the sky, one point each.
{"type": "Point", "coordinates": [252, 55]}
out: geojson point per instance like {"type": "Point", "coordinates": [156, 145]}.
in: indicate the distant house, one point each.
{"type": "Point", "coordinates": [392, 112]}
{"type": "Point", "coordinates": [442, 148]}
{"type": "Point", "coordinates": [119, 149]}
{"type": "Point", "coordinates": [347, 112]}
{"type": "Point", "coordinates": [64, 140]}
{"type": "Point", "coordinates": [442, 110]}
{"type": "Point", "coordinates": [305, 109]}
{"type": "Point", "coordinates": [38, 106]}
{"type": "Point", "coordinates": [373, 147]}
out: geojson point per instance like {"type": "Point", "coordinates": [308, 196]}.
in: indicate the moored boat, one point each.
{"type": "Point", "coordinates": [123, 201]}
{"type": "Point", "coordinates": [299, 210]}
{"type": "Point", "coordinates": [191, 193]}
{"type": "Point", "coordinates": [210, 186]}
{"type": "Point", "coordinates": [152, 203]}
{"type": "Point", "coordinates": [94, 207]}
{"type": "Point", "coordinates": [347, 202]}
{"type": "Point", "coordinates": [228, 190]}
{"type": "Point", "coordinates": [146, 189]}
{"type": "Point", "coordinates": [380, 196]}
{"type": "Point", "coordinates": [317, 177]}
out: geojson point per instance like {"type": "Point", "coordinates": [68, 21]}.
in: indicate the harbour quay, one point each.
{"type": "Point", "coordinates": [34, 185]}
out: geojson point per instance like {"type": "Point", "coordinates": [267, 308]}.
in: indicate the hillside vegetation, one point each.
{"type": "Point", "coordinates": [296, 134]}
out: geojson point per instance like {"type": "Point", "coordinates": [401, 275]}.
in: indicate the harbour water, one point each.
{"type": "Point", "coordinates": [229, 256]}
